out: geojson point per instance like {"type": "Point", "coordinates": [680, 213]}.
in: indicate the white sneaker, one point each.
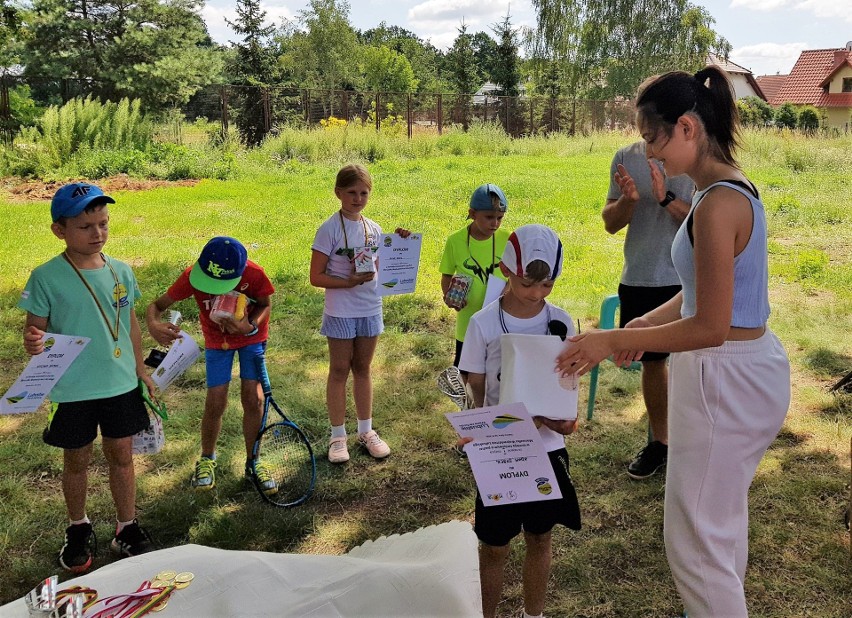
{"type": "Point", "coordinates": [377, 447]}
{"type": "Point", "coordinates": [337, 451]}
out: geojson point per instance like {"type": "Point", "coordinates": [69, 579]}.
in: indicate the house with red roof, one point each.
{"type": "Point", "coordinates": [822, 78]}
{"type": "Point", "coordinates": [770, 84]}
{"type": "Point", "coordinates": [741, 78]}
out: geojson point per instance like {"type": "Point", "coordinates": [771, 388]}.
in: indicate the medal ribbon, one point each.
{"type": "Point", "coordinates": [113, 330]}
{"type": "Point", "coordinates": [343, 225]}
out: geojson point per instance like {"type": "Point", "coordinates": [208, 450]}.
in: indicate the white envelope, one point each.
{"type": "Point", "coordinates": [527, 376]}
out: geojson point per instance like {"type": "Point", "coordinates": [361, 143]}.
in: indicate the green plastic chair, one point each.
{"type": "Point", "coordinates": [609, 306]}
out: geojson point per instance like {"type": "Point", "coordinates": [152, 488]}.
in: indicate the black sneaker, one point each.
{"type": "Point", "coordinates": [132, 541]}
{"type": "Point", "coordinates": [80, 546]}
{"type": "Point", "coordinates": [648, 460]}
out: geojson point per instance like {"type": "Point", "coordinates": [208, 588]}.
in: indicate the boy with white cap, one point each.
{"type": "Point", "coordinates": [223, 266]}
{"type": "Point", "coordinates": [532, 260]}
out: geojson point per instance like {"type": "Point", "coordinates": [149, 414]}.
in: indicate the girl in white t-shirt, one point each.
{"type": "Point", "coordinates": [343, 262]}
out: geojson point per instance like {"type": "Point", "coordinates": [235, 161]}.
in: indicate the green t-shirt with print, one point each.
{"type": "Point", "coordinates": [463, 254]}
{"type": "Point", "coordinates": [54, 291]}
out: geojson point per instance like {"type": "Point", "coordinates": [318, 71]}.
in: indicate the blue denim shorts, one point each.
{"type": "Point", "coordinates": [220, 362]}
{"type": "Point", "coordinates": [349, 328]}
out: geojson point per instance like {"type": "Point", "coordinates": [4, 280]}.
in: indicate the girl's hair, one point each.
{"type": "Point", "coordinates": [352, 173]}
{"type": "Point", "coordinates": [708, 95]}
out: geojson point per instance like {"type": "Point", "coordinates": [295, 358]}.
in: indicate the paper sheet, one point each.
{"type": "Point", "coordinates": [42, 373]}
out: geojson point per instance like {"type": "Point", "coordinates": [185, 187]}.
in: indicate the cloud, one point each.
{"type": "Point", "coordinates": [439, 20]}
{"type": "Point", "coordinates": [760, 5]}
{"type": "Point", "coordinates": [214, 14]}
{"type": "Point", "coordinates": [825, 9]}
{"type": "Point", "coordinates": [768, 58]}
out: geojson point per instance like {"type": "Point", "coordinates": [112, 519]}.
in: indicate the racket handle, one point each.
{"type": "Point", "coordinates": [263, 376]}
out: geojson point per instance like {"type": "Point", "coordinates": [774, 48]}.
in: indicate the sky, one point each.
{"type": "Point", "coordinates": [766, 35]}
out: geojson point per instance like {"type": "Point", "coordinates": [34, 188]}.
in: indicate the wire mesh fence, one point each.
{"type": "Point", "coordinates": [254, 112]}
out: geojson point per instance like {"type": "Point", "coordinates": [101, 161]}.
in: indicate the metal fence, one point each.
{"type": "Point", "coordinates": [273, 107]}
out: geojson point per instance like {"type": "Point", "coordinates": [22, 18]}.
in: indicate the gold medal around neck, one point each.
{"type": "Point", "coordinates": [225, 346]}
{"type": "Point", "coordinates": [117, 352]}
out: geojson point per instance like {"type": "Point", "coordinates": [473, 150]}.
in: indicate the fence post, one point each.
{"type": "Point", "coordinates": [408, 114]}
{"type": "Point", "coordinates": [378, 113]}
{"type": "Point", "coordinates": [224, 99]}
{"type": "Point", "coordinates": [440, 113]}
{"type": "Point", "coordinates": [508, 103]}
{"type": "Point", "coordinates": [267, 119]}
{"type": "Point", "coordinates": [574, 117]}
{"type": "Point", "coordinates": [532, 122]}
{"type": "Point", "coordinates": [307, 99]}
{"type": "Point", "coordinates": [345, 103]}
{"type": "Point", "coordinates": [552, 105]}
{"type": "Point", "coordinates": [5, 112]}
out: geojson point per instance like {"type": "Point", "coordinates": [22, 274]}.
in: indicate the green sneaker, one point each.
{"type": "Point", "coordinates": [204, 477]}
{"type": "Point", "coordinates": [264, 478]}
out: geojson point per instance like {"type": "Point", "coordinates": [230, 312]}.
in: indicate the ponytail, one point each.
{"type": "Point", "coordinates": [706, 94]}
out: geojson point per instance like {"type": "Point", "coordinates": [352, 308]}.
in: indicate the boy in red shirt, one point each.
{"type": "Point", "coordinates": [223, 267]}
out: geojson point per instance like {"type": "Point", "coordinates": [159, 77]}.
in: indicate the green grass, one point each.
{"type": "Point", "coordinates": [275, 200]}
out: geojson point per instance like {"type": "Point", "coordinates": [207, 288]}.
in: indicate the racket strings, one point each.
{"type": "Point", "coordinates": [287, 457]}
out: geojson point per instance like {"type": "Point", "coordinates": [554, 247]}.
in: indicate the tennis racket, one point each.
{"type": "Point", "coordinates": [284, 469]}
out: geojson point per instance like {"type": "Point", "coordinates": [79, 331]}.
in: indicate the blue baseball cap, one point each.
{"type": "Point", "coordinates": [481, 198]}
{"type": "Point", "coordinates": [72, 199]}
{"type": "Point", "coordinates": [220, 266]}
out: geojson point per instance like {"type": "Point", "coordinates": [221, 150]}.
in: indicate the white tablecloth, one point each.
{"type": "Point", "coordinates": [431, 572]}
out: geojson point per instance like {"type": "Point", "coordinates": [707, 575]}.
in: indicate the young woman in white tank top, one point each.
{"type": "Point", "coordinates": [729, 381]}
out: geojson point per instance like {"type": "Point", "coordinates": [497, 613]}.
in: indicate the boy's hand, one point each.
{"type": "Point", "coordinates": [33, 340]}
{"type": "Point", "coordinates": [236, 327]}
{"type": "Point", "coordinates": [563, 427]}
{"type": "Point", "coordinates": [163, 332]}
{"type": "Point", "coordinates": [149, 383]}
{"type": "Point", "coordinates": [461, 442]}
{"type": "Point", "coordinates": [402, 232]}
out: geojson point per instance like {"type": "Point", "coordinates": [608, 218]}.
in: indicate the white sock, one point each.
{"type": "Point", "coordinates": [365, 426]}
{"type": "Point", "coordinates": [120, 525]}
{"type": "Point", "coordinates": [85, 520]}
{"type": "Point", "coordinates": [526, 615]}
{"type": "Point", "coordinates": [338, 431]}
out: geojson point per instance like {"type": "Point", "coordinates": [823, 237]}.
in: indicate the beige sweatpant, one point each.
{"type": "Point", "coordinates": [726, 405]}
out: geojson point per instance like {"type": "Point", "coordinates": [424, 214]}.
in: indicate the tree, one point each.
{"type": "Point", "coordinates": [462, 69]}
{"type": "Point", "coordinates": [754, 111]}
{"type": "Point", "coordinates": [425, 58]}
{"type": "Point", "coordinates": [808, 119]}
{"type": "Point", "coordinates": [326, 53]}
{"type": "Point", "coordinates": [253, 67]}
{"type": "Point", "coordinates": [606, 48]}
{"type": "Point", "coordinates": [506, 71]}
{"type": "Point", "coordinates": [387, 71]}
{"type": "Point", "coordinates": [155, 50]}
{"type": "Point", "coordinates": [786, 116]}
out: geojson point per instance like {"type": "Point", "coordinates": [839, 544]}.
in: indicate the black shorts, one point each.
{"type": "Point", "coordinates": [75, 424]}
{"type": "Point", "coordinates": [637, 301]}
{"type": "Point", "coordinates": [459, 345]}
{"type": "Point", "coordinates": [497, 525]}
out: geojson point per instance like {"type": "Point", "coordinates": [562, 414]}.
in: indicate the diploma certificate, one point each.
{"type": "Point", "coordinates": [42, 373]}
{"type": "Point", "coordinates": [181, 355]}
{"type": "Point", "coordinates": [399, 260]}
{"type": "Point", "coordinates": [507, 456]}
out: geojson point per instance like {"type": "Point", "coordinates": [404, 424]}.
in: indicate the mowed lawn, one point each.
{"type": "Point", "coordinates": [615, 566]}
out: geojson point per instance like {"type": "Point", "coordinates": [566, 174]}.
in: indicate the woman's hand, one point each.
{"type": "Point", "coordinates": [582, 352]}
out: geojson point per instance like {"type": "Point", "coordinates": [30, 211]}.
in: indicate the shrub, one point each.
{"type": "Point", "coordinates": [808, 119]}
{"type": "Point", "coordinates": [755, 112]}
{"type": "Point", "coordinates": [80, 124]}
{"type": "Point", "coordinates": [786, 117]}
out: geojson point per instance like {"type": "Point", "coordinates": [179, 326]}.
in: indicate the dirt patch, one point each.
{"type": "Point", "coordinates": [18, 190]}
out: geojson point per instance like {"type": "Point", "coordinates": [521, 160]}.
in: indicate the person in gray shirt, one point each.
{"type": "Point", "coordinates": [652, 208]}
